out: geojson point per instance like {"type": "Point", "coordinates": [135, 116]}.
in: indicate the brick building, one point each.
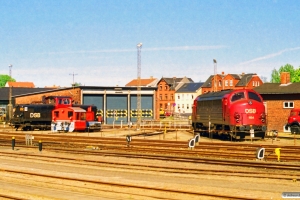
{"type": "Point", "coordinates": [114, 103]}
{"type": "Point", "coordinates": [224, 81]}
{"type": "Point", "coordinates": [165, 95]}
{"type": "Point", "coordinates": [279, 99]}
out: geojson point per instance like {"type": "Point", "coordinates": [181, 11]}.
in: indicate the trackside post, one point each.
{"type": "Point", "coordinates": [13, 143]}
{"type": "Point", "coordinates": [40, 146]}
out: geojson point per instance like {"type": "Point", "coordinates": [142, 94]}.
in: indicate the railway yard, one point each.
{"type": "Point", "coordinates": [150, 164]}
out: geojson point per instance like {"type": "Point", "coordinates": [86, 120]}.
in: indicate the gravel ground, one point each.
{"type": "Point", "coordinates": [46, 188]}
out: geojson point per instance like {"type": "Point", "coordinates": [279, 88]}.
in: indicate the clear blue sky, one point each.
{"type": "Point", "coordinates": [48, 41]}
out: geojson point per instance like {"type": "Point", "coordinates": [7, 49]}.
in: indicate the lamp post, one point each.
{"type": "Point", "coordinates": [215, 72]}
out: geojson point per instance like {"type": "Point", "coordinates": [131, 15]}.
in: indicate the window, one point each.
{"type": "Point", "coordinates": [187, 106]}
{"type": "Point", "coordinates": [160, 97]}
{"type": "Point", "coordinates": [166, 87]}
{"type": "Point", "coordinates": [166, 97]}
{"type": "Point", "coordinates": [237, 96]}
{"type": "Point", "coordinates": [166, 106]}
{"type": "Point", "coordinates": [288, 104]}
{"type": "Point", "coordinates": [172, 97]}
{"type": "Point", "coordinates": [182, 106]}
{"type": "Point", "coordinates": [160, 87]}
{"type": "Point", "coordinates": [220, 83]}
{"type": "Point", "coordinates": [192, 96]}
{"type": "Point", "coordinates": [226, 82]}
{"type": "Point", "coordinates": [160, 106]}
{"type": "Point", "coordinates": [70, 114]}
{"type": "Point", "coordinates": [178, 96]}
{"type": "Point", "coordinates": [56, 113]}
{"type": "Point", "coordinates": [231, 83]}
{"type": "Point", "coordinates": [254, 96]}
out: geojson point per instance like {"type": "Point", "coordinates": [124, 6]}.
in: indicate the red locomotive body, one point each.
{"type": "Point", "coordinates": [56, 113]}
{"type": "Point", "coordinates": [294, 121]}
{"type": "Point", "coordinates": [230, 113]}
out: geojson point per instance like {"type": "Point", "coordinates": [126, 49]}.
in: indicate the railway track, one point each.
{"type": "Point", "coordinates": [202, 149]}
{"type": "Point", "coordinates": [138, 156]}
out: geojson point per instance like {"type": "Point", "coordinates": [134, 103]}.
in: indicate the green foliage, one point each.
{"type": "Point", "coordinates": [4, 79]}
{"type": "Point", "coordinates": [294, 73]}
{"type": "Point", "coordinates": [275, 76]}
{"type": "Point", "coordinates": [76, 84]}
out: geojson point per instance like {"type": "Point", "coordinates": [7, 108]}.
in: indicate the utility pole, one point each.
{"type": "Point", "coordinates": [138, 99]}
{"type": "Point", "coordinates": [73, 84]}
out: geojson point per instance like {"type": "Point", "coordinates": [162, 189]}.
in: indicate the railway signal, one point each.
{"type": "Point", "coordinates": [192, 143]}
{"type": "Point", "coordinates": [260, 153]}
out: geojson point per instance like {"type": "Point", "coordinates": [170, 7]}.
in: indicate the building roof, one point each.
{"type": "Point", "coordinates": [278, 88]}
{"type": "Point", "coordinates": [244, 80]}
{"type": "Point", "coordinates": [150, 82]}
{"type": "Point", "coordinates": [173, 82]}
{"type": "Point", "coordinates": [207, 83]}
{"type": "Point", "coordinates": [4, 92]}
{"type": "Point", "coordinates": [20, 84]}
{"type": "Point", "coordinates": [189, 87]}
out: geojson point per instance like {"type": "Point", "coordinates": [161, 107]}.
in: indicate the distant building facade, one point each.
{"type": "Point", "coordinates": [184, 97]}
{"type": "Point", "coordinates": [165, 95]}
{"type": "Point", "coordinates": [224, 81]}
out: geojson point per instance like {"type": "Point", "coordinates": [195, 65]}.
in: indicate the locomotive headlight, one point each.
{"type": "Point", "coordinates": [237, 115]}
{"type": "Point", "coordinates": [262, 116]}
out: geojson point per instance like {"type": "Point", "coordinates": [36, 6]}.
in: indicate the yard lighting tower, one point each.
{"type": "Point", "coordinates": [215, 73]}
{"type": "Point", "coordinates": [138, 99]}
{"type": "Point", "coordinates": [10, 66]}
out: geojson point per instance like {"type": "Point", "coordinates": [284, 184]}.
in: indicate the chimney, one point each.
{"type": "Point", "coordinates": [222, 73]}
{"type": "Point", "coordinates": [151, 77]}
{"type": "Point", "coordinates": [285, 78]}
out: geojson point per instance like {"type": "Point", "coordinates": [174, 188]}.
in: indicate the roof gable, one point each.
{"type": "Point", "coordinates": [144, 82]}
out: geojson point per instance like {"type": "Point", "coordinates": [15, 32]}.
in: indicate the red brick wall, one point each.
{"type": "Point", "coordinates": [74, 93]}
{"type": "Point", "coordinates": [285, 77]}
{"type": "Point", "coordinates": [163, 90]}
{"type": "Point", "coordinates": [277, 115]}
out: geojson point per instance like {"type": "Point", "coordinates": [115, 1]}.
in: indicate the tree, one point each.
{"type": "Point", "coordinates": [294, 74]}
{"type": "Point", "coordinates": [4, 79]}
{"type": "Point", "coordinates": [275, 76]}
{"type": "Point", "coordinates": [76, 84]}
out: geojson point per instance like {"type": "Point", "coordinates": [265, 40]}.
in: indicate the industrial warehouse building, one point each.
{"type": "Point", "coordinates": [115, 104]}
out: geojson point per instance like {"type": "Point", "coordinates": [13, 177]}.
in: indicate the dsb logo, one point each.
{"type": "Point", "coordinates": [35, 115]}
{"type": "Point", "coordinates": [250, 110]}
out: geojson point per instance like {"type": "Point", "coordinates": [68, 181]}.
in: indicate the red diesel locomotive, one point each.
{"type": "Point", "coordinates": [232, 114]}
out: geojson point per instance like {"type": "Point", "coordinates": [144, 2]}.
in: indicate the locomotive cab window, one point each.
{"type": "Point", "coordinates": [254, 96]}
{"type": "Point", "coordinates": [56, 113]}
{"type": "Point", "coordinates": [70, 114]}
{"type": "Point", "coordinates": [237, 96]}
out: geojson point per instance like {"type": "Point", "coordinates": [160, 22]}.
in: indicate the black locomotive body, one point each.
{"type": "Point", "coordinates": [32, 116]}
